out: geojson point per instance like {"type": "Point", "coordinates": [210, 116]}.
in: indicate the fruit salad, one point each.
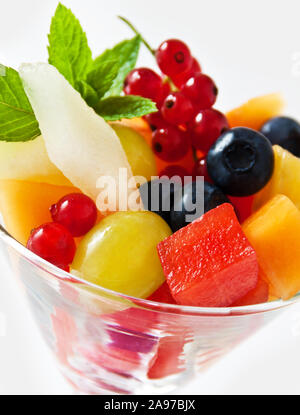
{"type": "Point", "coordinates": [133, 180]}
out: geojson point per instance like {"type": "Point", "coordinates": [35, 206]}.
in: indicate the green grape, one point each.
{"type": "Point", "coordinates": [120, 253]}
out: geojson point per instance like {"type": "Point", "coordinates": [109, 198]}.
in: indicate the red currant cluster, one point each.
{"type": "Point", "coordinates": [73, 216]}
{"type": "Point", "coordinates": [184, 97]}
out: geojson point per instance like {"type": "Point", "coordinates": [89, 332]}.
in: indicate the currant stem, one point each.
{"type": "Point", "coordinates": [171, 83]}
{"type": "Point", "coordinates": [138, 33]}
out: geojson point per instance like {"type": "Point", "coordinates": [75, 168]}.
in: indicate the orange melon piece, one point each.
{"type": "Point", "coordinates": [272, 298]}
{"type": "Point", "coordinates": [141, 126]}
{"type": "Point", "coordinates": [25, 205]}
{"type": "Point", "coordinates": [267, 280]}
{"type": "Point", "coordinates": [285, 179]}
{"type": "Point", "coordinates": [274, 233]}
{"type": "Point", "coordinates": [255, 112]}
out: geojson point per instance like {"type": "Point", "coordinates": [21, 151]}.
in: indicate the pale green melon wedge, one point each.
{"type": "Point", "coordinates": [29, 161]}
{"type": "Point", "coordinates": [78, 141]}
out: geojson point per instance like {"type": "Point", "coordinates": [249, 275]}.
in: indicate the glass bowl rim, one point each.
{"type": "Point", "coordinates": [68, 278]}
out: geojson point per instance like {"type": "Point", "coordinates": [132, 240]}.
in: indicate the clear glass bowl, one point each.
{"type": "Point", "coordinates": [108, 343]}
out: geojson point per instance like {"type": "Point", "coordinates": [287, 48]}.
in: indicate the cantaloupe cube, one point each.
{"type": "Point", "coordinates": [285, 179]}
{"type": "Point", "coordinates": [25, 205]}
{"type": "Point", "coordinates": [274, 233]}
{"type": "Point", "coordinates": [255, 112]}
{"type": "Point", "coordinates": [272, 298]}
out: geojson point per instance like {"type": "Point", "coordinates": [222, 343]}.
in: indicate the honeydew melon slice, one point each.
{"type": "Point", "coordinates": [78, 141]}
{"type": "Point", "coordinates": [29, 161]}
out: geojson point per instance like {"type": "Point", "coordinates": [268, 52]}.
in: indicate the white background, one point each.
{"type": "Point", "coordinates": [250, 48]}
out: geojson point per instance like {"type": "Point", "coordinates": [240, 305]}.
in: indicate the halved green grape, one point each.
{"type": "Point", "coordinates": [138, 152]}
{"type": "Point", "coordinates": [120, 253]}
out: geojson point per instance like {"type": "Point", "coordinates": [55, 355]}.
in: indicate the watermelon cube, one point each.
{"type": "Point", "coordinates": [242, 206]}
{"type": "Point", "coordinates": [210, 262]}
{"type": "Point", "coordinates": [163, 295]}
{"type": "Point", "coordinates": [260, 294]}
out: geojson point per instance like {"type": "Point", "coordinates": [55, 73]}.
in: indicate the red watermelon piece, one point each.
{"type": "Point", "coordinates": [163, 295]}
{"type": "Point", "coordinates": [260, 294]}
{"type": "Point", "coordinates": [209, 263]}
{"type": "Point", "coordinates": [243, 206]}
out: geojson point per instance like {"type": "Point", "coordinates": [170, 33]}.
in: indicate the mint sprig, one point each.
{"type": "Point", "coordinates": [100, 81]}
{"type": "Point", "coordinates": [87, 92]}
{"type": "Point", "coordinates": [130, 106]}
{"type": "Point", "coordinates": [96, 80]}
{"type": "Point", "coordinates": [17, 119]}
{"type": "Point", "coordinates": [125, 54]}
{"type": "Point", "coordinates": [103, 76]}
{"type": "Point", "coordinates": [68, 47]}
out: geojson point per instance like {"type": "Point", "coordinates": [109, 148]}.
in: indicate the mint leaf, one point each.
{"type": "Point", "coordinates": [102, 78]}
{"type": "Point", "coordinates": [126, 53]}
{"type": "Point", "coordinates": [17, 119]}
{"type": "Point", "coordinates": [130, 106]}
{"type": "Point", "coordinates": [87, 92]}
{"type": "Point", "coordinates": [68, 47]}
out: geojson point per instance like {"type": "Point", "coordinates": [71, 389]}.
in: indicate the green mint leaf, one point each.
{"type": "Point", "coordinates": [68, 47]}
{"type": "Point", "coordinates": [17, 119]}
{"type": "Point", "coordinates": [126, 53]}
{"type": "Point", "coordinates": [102, 78]}
{"type": "Point", "coordinates": [87, 92]}
{"type": "Point", "coordinates": [130, 106]}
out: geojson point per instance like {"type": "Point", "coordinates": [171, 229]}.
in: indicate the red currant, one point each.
{"type": "Point", "coordinates": [146, 83]}
{"type": "Point", "coordinates": [177, 109]}
{"type": "Point", "coordinates": [200, 170]}
{"type": "Point", "coordinates": [201, 90]}
{"type": "Point", "coordinates": [174, 170]}
{"type": "Point", "coordinates": [180, 79]}
{"type": "Point", "coordinates": [206, 127]}
{"type": "Point", "coordinates": [76, 212]}
{"type": "Point", "coordinates": [170, 144]}
{"type": "Point", "coordinates": [54, 243]}
{"type": "Point", "coordinates": [173, 57]}
{"type": "Point", "coordinates": [156, 120]}
{"type": "Point", "coordinates": [166, 90]}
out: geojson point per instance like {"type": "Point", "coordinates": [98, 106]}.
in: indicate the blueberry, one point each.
{"type": "Point", "coordinates": [158, 196]}
{"type": "Point", "coordinates": [285, 132]}
{"type": "Point", "coordinates": [192, 201]}
{"type": "Point", "coordinates": [241, 161]}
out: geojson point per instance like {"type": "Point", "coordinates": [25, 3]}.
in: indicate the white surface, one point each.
{"type": "Point", "coordinates": [249, 48]}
